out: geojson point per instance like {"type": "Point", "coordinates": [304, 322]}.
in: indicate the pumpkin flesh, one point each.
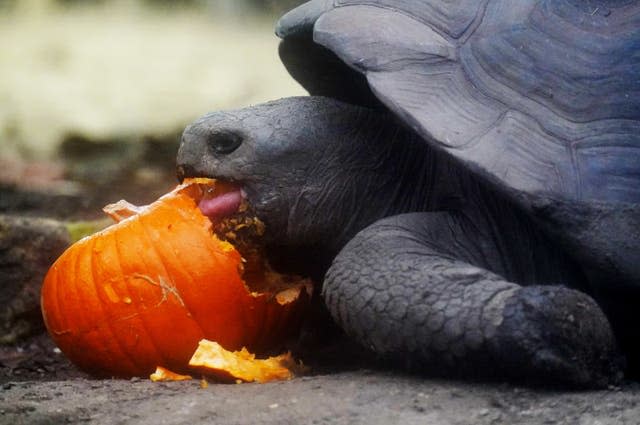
{"type": "Point", "coordinates": [163, 375]}
{"type": "Point", "coordinates": [241, 366]}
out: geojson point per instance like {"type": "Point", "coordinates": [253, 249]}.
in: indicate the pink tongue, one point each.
{"type": "Point", "coordinates": [222, 205]}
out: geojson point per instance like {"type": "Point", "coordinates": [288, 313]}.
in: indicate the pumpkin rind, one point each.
{"type": "Point", "coordinates": [144, 291]}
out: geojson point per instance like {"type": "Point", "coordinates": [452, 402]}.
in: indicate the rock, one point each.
{"type": "Point", "coordinates": [17, 200]}
{"type": "Point", "coordinates": [28, 247]}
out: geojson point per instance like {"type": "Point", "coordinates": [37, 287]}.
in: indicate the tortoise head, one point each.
{"type": "Point", "coordinates": [314, 169]}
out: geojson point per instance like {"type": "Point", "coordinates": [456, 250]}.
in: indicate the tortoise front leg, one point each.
{"type": "Point", "coordinates": [397, 289]}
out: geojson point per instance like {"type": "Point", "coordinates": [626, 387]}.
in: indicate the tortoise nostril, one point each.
{"type": "Point", "coordinates": [225, 141]}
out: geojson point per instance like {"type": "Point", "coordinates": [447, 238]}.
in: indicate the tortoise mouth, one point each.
{"type": "Point", "coordinates": [221, 199]}
{"type": "Point", "coordinates": [222, 205]}
{"type": "Point", "coordinates": [233, 220]}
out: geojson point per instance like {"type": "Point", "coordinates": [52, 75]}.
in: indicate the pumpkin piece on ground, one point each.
{"type": "Point", "coordinates": [213, 360]}
{"type": "Point", "coordinates": [162, 374]}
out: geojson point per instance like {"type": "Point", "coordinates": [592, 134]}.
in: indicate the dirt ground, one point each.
{"type": "Point", "coordinates": [38, 386]}
{"type": "Point", "coordinates": [357, 397]}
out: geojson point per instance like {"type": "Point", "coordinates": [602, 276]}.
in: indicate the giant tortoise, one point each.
{"type": "Point", "coordinates": [464, 179]}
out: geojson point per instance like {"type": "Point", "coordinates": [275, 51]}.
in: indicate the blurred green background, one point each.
{"type": "Point", "coordinates": [94, 94]}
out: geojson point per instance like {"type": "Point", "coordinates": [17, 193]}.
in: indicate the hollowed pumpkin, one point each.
{"type": "Point", "coordinates": [143, 292]}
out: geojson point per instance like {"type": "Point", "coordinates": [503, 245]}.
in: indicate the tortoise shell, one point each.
{"type": "Point", "coordinates": [540, 97]}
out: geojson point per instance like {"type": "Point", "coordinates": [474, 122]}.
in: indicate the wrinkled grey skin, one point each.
{"type": "Point", "coordinates": [429, 264]}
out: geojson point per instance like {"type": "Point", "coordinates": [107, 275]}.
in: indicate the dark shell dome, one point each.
{"type": "Point", "coordinates": [540, 97]}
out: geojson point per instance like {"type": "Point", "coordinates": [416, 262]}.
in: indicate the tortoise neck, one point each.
{"type": "Point", "coordinates": [428, 180]}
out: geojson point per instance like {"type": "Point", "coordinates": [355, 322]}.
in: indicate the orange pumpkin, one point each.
{"type": "Point", "coordinates": [146, 290]}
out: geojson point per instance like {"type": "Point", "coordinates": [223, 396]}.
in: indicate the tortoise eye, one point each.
{"type": "Point", "coordinates": [225, 142]}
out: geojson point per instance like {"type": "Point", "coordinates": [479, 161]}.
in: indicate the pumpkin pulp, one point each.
{"type": "Point", "coordinates": [234, 222]}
